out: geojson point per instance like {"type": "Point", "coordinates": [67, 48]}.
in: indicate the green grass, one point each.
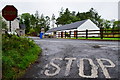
{"type": "Point", "coordinates": [17, 55]}
{"type": "Point", "coordinates": [96, 38]}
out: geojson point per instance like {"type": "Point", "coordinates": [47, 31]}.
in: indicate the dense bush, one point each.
{"type": "Point", "coordinates": [32, 32]}
{"type": "Point", "coordinates": [17, 54]}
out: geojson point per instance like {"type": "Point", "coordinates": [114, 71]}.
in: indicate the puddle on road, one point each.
{"type": "Point", "coordinates": [112, 47]}
{"type": "Point", "coordinates": [96, 46]}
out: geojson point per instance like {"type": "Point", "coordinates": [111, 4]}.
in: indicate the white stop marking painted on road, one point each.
{"type": "Point", "coordinates": [94, 70]}
{"type": "Point", "coordinates": [105, 71]}
{"type": "Point", "coordinates": [68, 65]}
{"type": "Point", "coordinates": [54, 65]}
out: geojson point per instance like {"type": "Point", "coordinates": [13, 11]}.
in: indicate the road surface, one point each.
{"type": "Point", "coordinates": [64, 58]}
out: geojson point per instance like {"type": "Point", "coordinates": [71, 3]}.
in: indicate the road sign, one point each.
{"type": "Point", "coordinates": [9, 12]}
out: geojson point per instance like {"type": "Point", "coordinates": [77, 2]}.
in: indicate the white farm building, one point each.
{"type": "Point", "coordinates": [79, 26]}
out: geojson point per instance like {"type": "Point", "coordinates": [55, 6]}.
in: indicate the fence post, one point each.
{"type": "Point", "coordinates": [76, 34]}
{"type": "Point", "coordinates": [112, 32]}
{"type": "Point", "coordinates": [57, 35]}
{"type": "Point", "coordinates": [101, 33]}
{"type": "Point", "coordinates": [86, 34]}
{"type": "Point", "coordinates": [65, 34]}
{"type": "Point", "coordinates": [61, 34]}
{"type": "Point", "coordinates": [70, 34]}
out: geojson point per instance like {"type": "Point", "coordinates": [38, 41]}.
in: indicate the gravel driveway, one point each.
{"type": "Point", "coordinates": [64, 58]}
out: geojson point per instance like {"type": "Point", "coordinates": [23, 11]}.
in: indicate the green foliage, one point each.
{"type": "Point", "coordinates": [25, 19]}
{"type": "Point", "coordinates": [35, 22]}
{"type": "Point", "coordinates": [4, 25]}
{"type": "Point", "coordinates": [17, 54]}
{"type": "Point", "coordinates": [67, 17]}
{"type": "Point", "coordinates": [106, 24]}
{"type": "Point", "coordinates": [31, 31]}
{"type": "Point", "coordinates": [96, 38]}
{"type": "Point", "coordinates": [116, 24]}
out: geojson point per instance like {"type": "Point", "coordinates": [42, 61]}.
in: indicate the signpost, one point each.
{"type": "Point", "coordinates": [9, 12]}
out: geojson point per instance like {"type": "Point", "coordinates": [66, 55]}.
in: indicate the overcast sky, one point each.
{"type": "Point", "coordinates": [108, 9]}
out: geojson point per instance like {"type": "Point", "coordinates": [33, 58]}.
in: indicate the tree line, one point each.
{"type": "Point", "coordinates": [66, 17]}
{"type": "Point", "coordinates": [34, 22]}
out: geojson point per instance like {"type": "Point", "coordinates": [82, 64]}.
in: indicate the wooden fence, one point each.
{"type": "Point", "coordinates": [102, 33]}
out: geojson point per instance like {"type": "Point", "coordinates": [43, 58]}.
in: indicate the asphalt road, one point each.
{"type": "Point", "coordinates": [64, 58]}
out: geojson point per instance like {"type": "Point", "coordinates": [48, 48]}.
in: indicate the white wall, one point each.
{"type": "Point", "coordinates": [14, 25]}
{"type": "Point", "coordinates": [89, 25]}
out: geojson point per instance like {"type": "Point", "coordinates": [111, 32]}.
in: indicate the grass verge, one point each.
{"type": "Point", "coordinates": [96, 38]}
{"type": "Point", "coordinates": [17, 55]}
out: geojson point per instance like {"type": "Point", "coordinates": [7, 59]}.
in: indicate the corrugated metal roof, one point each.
{"type": "Point", "coordinates": [67, 26]}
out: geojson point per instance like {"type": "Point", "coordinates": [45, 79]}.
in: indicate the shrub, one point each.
{"type": "Point", "coordinates": [17, 54]}
{"type": "Point", "coordinates": [32, 32]}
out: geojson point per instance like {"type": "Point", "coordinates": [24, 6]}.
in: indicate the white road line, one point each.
{"type": "Point", "coordinates": [54, 65]}
{"type": "Point", "coordinates": [94, 72]}
{"type": "Point", "coordinates": [68, 66]}
{"type": "Point", "coordinates": [105, 71]}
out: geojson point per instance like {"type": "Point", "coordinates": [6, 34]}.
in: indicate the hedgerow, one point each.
{"type": "Point", "coordinates": [17, 55]}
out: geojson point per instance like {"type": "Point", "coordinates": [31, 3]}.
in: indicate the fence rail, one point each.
{"type": "Point", "coordinates": [90, 33]}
